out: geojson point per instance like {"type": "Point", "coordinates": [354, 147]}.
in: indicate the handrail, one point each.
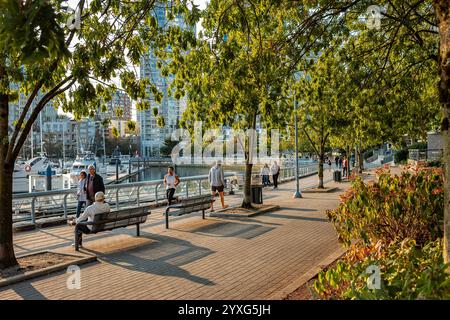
{"type": "Point", "coordinates": [28, 204]}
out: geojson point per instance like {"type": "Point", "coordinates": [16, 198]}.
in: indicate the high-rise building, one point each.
{"type": "Point", "coordinates": [122, 102]}
{"type": "Point", "coordinates": [48, 114]}
{"type": "Point", "coordinates": [153, 136]}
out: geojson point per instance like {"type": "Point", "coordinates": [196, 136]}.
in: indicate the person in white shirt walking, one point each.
{"type": "Point", "coordinates": [171, 181]}
{"type": "Point", "coordinates": [275, 169]}
{"type": "Point", "coordinates": [98, 207]}
{"type": "Point", "coordinates": [217, 181]}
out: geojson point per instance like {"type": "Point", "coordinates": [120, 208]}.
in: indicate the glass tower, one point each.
{"type": "Point", "coordinates": [152, 136]}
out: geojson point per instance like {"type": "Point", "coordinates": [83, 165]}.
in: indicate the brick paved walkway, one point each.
{"type": "Point", "coordinates": [216, 258]}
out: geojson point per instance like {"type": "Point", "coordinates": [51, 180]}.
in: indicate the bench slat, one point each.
{"type": "Point", "coordinates": [119, 219]}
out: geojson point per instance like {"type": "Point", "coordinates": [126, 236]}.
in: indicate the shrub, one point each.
{"type": "Point", "coordinates": [401, 156]}
{"type": "Point", "coordinates": [392, 209]}
{"type": "Point", "coordinates": [418, 145]}
{"type": "Point", "coordinates": [406, 272]}
{"type": "Point", "coordinates": [435, 163]}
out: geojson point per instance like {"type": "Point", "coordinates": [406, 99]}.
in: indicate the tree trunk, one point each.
{"type": "Point", "coordinates": [360, 160]}
{"type": "Point", "coordinates": [7, 257]}
{"type": "Point", "coordinates": [442, 9]}
{"type": "Point", "coordinates": [320, 169]}
{"type": "Point", "coordinates": [247, 201]}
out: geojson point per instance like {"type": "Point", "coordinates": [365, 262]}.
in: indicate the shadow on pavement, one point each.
{"type": "Point", "coordinates": [163, 257]}
{"type": "Point", "coordinates": [231, 229]}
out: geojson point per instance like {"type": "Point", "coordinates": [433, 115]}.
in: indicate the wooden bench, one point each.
{"type": "Point", "coordinates": [116, 219]}
{"type": "Point", "coordinates": [189, 205]}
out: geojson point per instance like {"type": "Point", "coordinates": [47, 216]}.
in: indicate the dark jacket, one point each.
{"type": "Point", "coordinates": [98, 186]}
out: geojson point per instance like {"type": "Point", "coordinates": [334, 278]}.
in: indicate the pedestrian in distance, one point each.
{"type": "Point", "coordinates": [275, 170]}
{"type": "Point", "coordinates": [340, 162]}
{"type": "Point", "coordinates": [94, 184]}
{"type": "Point", "coordinates": [171, 181]}
{"type": "Point", "coordinates": [336, 160]}
{"type": "Point", "coordinates": [217, 181]}
{"type": "Point", "coordinates": [81, 193]}
{"type": "Point", "coordinates": [329, 164]}
{"type": "Point", "coordinates": [265, 172]}
{"type": "Point", "coordinates": [345, 168]}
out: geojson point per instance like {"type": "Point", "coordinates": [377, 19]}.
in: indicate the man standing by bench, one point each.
{"type": "Point", "coordinates": [217, 181]}
{"type": "Point", "coordinates": [98, 207]}
{"type": "Point", "coordinates": [94, 184]}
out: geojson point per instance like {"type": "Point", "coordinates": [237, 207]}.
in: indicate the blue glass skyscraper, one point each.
{"type": "Point", "coordinates": [152, 136]}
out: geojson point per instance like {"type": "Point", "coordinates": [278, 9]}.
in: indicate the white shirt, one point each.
{"type": "Point", "coordinates": [94, 209]}
{"type": "Point", "coordinates": [265, 171]}
{"type": "Point", "coordinates": [216, 176]}
{"type": "Point", "coordinates": [81, 193]}
{"type": "Point", "coordinates": [170, 181]}
{"type": "Point", "coordinates": [275, 168]}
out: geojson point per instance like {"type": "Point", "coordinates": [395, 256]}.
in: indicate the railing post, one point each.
{"type": "Point", "coordinates": [138, 198]}
{"type": "Point", "coordinates": [117, 198]}
{"type": "Point", "coordinates": [33, 212]}
{"type": "Point", "coordinates": [65, 206]}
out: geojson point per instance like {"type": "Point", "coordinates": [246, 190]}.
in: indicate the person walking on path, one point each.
{"type": "Point", "coordinates": [171, 181]}
{"type": "Point", "coordinates": [345, 164]}
{"type": "Point", "coordinates": [81, 193]}
{"type": "Point", "coordinates": [265, 172]}
{"type": "Point", "coordinates": [98, 207]}
{"type": "Point", "coordinates": [275, 169]}
{"type": "Point", "coordinates": [336, 160]}
{"type": "Point", "coordinates": [340, 162]}
{"type": "Point", "coordinates": [217, 181]}
{"type": "Point", "coordinates": [94, 184]}
{"type": "Point", "coordinates": [329, 164]}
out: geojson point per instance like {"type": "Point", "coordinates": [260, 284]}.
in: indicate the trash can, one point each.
{"type": "Point", "coordinates": [257, 194]}
{"type": "Point", "coordinates": [337, 176]}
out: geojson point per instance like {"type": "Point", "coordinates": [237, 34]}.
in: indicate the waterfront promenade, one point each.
{"type": "Point", "coordinates": [263, 257]}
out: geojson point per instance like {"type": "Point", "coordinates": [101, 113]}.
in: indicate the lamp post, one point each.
{"type": "Point", "coordinates": [297, 193]}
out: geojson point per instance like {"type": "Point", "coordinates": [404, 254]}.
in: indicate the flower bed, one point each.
{"type": "Point", "coordinates": [393, 227]}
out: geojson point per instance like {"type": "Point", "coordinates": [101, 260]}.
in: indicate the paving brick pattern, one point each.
{"type": "Point", "coordinates": [216, 258]}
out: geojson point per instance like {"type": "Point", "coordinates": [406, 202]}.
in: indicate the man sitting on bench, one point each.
{"type": "Point", "coordinates": [98, 207]}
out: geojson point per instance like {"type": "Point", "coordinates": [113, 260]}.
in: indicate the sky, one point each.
{"type": "Point", "coordinates": [202, 5]}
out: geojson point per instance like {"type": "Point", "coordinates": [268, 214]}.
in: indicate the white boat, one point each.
{"type": "Point", "coordinates": [35, 166]}
{"type": "Point", "coordinates": [82, 163]}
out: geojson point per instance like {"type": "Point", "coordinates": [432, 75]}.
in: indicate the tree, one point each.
{"type": "Point", "coordinates": [166, 149]}
{"type": "Point", "coordinates": [235, 75]}
{"type": "Point", "coordinates": [320, 114]}
{"type": "Point", "coordinates": [34, 52]}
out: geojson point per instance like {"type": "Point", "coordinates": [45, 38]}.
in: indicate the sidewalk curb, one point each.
{"type": "Point", "coordinates": [46, 271]}
{"type": "Point", "coordinates": [311, 273]}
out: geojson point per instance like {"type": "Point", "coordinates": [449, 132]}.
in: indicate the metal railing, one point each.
{"type": "Point", "coordinates": [61, 203]}
{"type": "Point", "coordinates": [425, 154]}
{"type": "Point", "coordinates": [31, 206]}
